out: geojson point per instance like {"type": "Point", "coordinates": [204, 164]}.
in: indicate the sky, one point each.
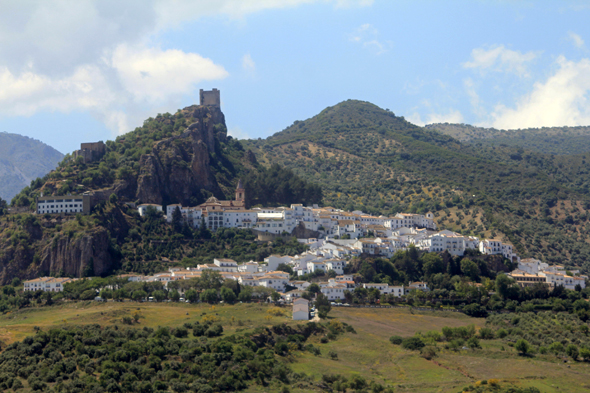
{"type": "Point", "coordinates": [83, 71]}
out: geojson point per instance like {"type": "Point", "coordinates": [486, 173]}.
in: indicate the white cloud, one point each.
{"type": "Point", "coordinates": [474, 99]}
{"type": "Point", "coordinates": [237, 133]}
{"type": "Point", "coordinates": [248, 64]}
{"type": "Point", "coordinates": [27, 93]}
{"type": "Point", "coordinates": [173, 12]}
{"type": "Point", "coordinates": [576, 39]}
{"type": "Point", "coordinates": [366, 35]}
{"type": "Point", "coordinates": [153, 75]}
{"type": "Point", "coordinates": [131, 76]}
{"type": "Point", "coordinates": [500, 59]}
{"type": "Point", "coordinates": [452, 116]}
{"type": "Point", "coordinates": [97, 55]}
{"type": "Point", "coordinates": [560, 100]}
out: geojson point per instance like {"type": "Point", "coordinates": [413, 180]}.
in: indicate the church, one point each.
{"type": "Point", "coordinates": [214, 204]}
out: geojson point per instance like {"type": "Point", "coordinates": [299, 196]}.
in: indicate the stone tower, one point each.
{"type": "Point", "coordinates": [240, 192]}
{"type": "Point", "coordinates": [210, 98]}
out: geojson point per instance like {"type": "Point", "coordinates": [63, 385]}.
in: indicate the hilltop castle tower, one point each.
{"type": "Point", "coordinates": [210, 97]}
{"type": "Point", "coordinates": [240, 192]}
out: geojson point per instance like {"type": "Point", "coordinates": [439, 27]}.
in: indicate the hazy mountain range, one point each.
{"type": "Point", "coordinates": [22, 160]}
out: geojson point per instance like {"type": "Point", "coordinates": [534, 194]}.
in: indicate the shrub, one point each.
{"type": "Point", "coordinates": [475, 310]}
{"type": "Point", "coordinates": [501, 333]}
{"type": "Point", "coordinates": [396, 340]}
{"type": "Point", "coordinates": [585, 354]}
{"type": "Point", "coordinates": [522, 346]}
{"type": "Point", "coordinates": [572, 351]}
{"type": "Point", "coordinates": [556, 347]}
{"type": "Point", "coordinates": [486, 334]}
{"type": "Point", "coordinates": [428, 352]}
{"type": "Point", "coordinates": [214, 331]}
{"type": "Point", "coordinates": [413, 343]}
{"type": "Point", "coordinates": [473, 343]}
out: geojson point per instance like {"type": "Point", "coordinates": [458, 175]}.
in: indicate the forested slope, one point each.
{"type": "Point", "coordinates": [550, 140]}
{"type": "Point", "coordinates": [367, 158]}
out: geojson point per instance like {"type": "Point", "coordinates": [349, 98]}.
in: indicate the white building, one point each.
{"type": "Point", "coordinates": [249, 267]}
{"type": "Point", "coordinates": [300, 309]}
{"type": "Point", "coordinates": [70, 204]}
{"type": "Point", "coordinates": [337, 265]}
{"type": "Point", "coordinates": [239, 218]}
{"type": "Point", "coordinates": [493, 247]}
{"type": "Point", "coordinates": [46, 284]}
{"type": "Point", "coordinates": [274, 261]}
{"type": "Point", "coordinates": [226, 264]}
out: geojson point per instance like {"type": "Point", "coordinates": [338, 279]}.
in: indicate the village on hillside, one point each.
{"type": "Point", "coordinates": [339, 236]}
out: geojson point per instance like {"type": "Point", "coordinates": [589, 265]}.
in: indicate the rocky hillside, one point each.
{"type": "Point", "coordinates": [369, 159]}
{"type": "Point", "coordinates": [22, 160]}
{"type": "Point", "coordinates": [181, 158]}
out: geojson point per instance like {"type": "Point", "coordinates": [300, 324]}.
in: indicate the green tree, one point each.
{"type": "Point", "coordinates": [473, 343]}
{"type": "Point", "coordinates": [323, 305]}
{"type": "Point", "coordinates": [585, 354]}
{"type": "Point", "coordinates": [209, 296]}
{"type": "Point", "coordinates": [275, 296]}
{"type": "Point", "coordinates": [3, 207]}
{"type": "Point", "coordinates": [177, 219]}
{"type": "Point", "coordinates": [159, 295]}
{"type": "Point", "coordinates": [432, 263]}
{"type": "Point", "coordinates": [139, 295]}
{"type": "Point", "coordinates": [572, 351]}
{"type": "Point", "coordinates": [470, 269]}
{"type": "Point", "coordinates": [283, 267]}
{"type": "Point", "coordinates": [413, 343]}
{"type": "Point", "coordinates": [522, 346]}
{"type": "Point", "coordinates": [314, 288]}
{"type": "Point", "coordinates": [174, 295]}
{"type": "Point", "coordinates": [191, 295]}
{"type": "Point", "coordinates": [227, 295]}
{"type": "Point", "coordinates": [504, 285]}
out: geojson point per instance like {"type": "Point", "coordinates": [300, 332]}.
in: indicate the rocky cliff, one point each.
{"type": "Point", "coordinates": [178, 168]}
{"type": "Point", "coordinates": [39, 251]}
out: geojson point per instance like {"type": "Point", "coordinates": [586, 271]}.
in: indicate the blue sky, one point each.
{"type": "Point", "coordinates": [92, 70]}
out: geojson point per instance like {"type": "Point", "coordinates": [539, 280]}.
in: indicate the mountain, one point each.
{"type": "Point", "coordinates": [367, 158]}
{"type": "Point", "coordinates": [550, 140]}
{"type": "Point", "coordinates": [23, 159]}
{"type": "Point", "coordinates": [182, 158]}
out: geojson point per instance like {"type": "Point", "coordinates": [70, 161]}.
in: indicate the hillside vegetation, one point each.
{"type": "Point", "coordinates": [181, 158]}
{"type": "Point", "coordinates": [178, 347]}
{"type": "Point", "coordinates": [367, 158]}
{"type": "Point", "coordinates": [550, 140]}
{"type": "Point", "coordinates": [22, 160]}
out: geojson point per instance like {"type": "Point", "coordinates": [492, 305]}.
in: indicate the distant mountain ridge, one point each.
{"type": "Point", "coordinates": [549, 140]}
{"type": "Point", "coordinates": [23, 159]}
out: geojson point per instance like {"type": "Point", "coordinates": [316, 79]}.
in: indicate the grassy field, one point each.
{"type": "Point", "coordinates": [367, 353]}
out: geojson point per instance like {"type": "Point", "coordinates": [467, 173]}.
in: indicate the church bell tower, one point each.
{"type": "Point", "coordinates": [240, 192]}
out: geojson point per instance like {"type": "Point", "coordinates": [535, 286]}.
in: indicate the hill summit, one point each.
{"type": "Point", "coordinates": [367, 158]}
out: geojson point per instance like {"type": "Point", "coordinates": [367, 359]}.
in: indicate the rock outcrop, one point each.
{"type": "Point", "coordinates": [86, 252]}
{"type": "Point", "coordinates": [178, 168]}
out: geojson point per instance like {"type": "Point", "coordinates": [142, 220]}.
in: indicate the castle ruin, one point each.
{"type": "Point", "coordinates": [90, 152]}
{"type": "Point", "coordinates": [210, 97]}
